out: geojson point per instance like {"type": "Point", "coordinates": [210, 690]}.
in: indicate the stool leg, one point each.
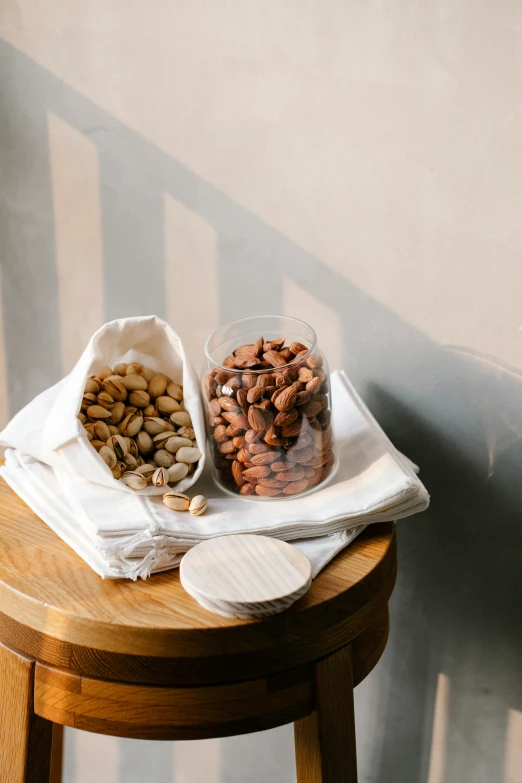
{"type": "Point", "coordinates": [57, 754]}
{"type": "Point", "coordinates": [25, 738]}
{"type": "Point", "coordinates": [325, 740]}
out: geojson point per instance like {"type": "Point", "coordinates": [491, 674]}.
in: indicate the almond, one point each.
{"type": "Point", "coordinates": [264, 405]}
{"type": "Point", "coordinates": [210, 385]}
{"type": "Point", "coordinates": [269, 492]}
{"type": "Point", "coordinates": [257, 471]}
{"type": "Point", "coordinates": [301, 455]}
{"type": "Point", "coordinates": [237, 473]}
{"type": "Point", "coordinates": [302, 397]}
{"type": "Point", "coordinates": [295, 487]}
{"type": "Point", "coordinates": [274, 358]}
{"type": "Point", "coordinates": [256, 419]}
{"type": "Point", "coordinates": [247, 489]}
{"type": "Point", "coordinates": [284, 399]}
{"type": "Point", "coordinates": [244, 349]}
{"type": "Point", "coordinates": [232, 431]}
{"type": "Point", "coordinates": [243, 455]}
{"type": "Point", "coordinates": [252, 436]}
{"type": "Point", "coordinates": [227, 447]}
{"type": "Point", "coordinates": [314, 361]}
{"type": "Point", "coordinates": [286, 417]}
{"type": "Point", "coordinates": [239, 442]}
{"type": "Point", "coordinates": [297, 348]}
{"type": "Point", "coordinates": [272, 437]}
{"type": "Point", "coordinates": [266, 379]}
{"type": "Point", "coordinates": [311, 408]}
{"type": "Point", "coordinates": [232, 385]}
{"type": "Point", "coordinates": [244, 362]}
{"type": "Point", "coordinates": [264, 459]}
{"type": "Point", "coordinates": [249, 380]}
{"type": "Point", "coordinates": [229, 404]}
{"type": "Point", "coordinates": [274, 345]}
{"type": "Point", "coordinates": [287, 354]}
{"type": "Point", "coordinates": [258, 346]}
{"type": "Point", "coordinates": [291, 430]}
{"type": "Point", "coordinates": [296, 473]}
{"type": "Point", "coordinates": [267, 481]}
{"type": "Point", "coordinates": [258, 448]}
{"type": "Point", "coordinates": [214, 408]}
{"type": "Point", "coordinates": [230, 361]}
{"type": "Point", "coordinates": [255, 394]}
{"type": "Point", "coordinates": [313, 385]}
{"type": "Point", "coordinates": [220, 433]}
{"type": "Point", "coordinates": [237, 419]}
{"type": "Point", "coordinates": [241, 397]}
{"type": "Point", "coordinates": [281, 465]}
{"type": "Point", "coordinates": [222, 376]}
{"type": "Point", "coordinates": [305, 374]}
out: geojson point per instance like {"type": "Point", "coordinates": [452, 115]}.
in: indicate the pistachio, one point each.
{"type": "Point", "coordinates": [118, 411]}
{"type": "Point", "coordinates": [88, 399]}
{"type": "Point", "coordinates": [198, 505]}
{"type": "Point", "coordinates": [146, 470]}
{"type": "Point", "coordinates": [164, 458]}
{"type": "Point", "coordinates": [105, 400]}
{"type": "Point", "coordinates": [160, 477]}
{"type": "Point", "coordinates": [134, 382]}
{"type": "Point", "coordinates": [158, 385]}
{"type": "Point", "coordinates": [176, 501]}
{"type": "Point", "coordinates": [97, 444]}
{"type": "Point", "coordinates": [148, 373]}
{"type": "Point", "coordinates": [101, 431]}
{"type": "Point", "coordinates": [177, 471]}
{"type": "Point", "coordinates": [115, 388]}
{"type": "Point", "coordinates": [130, 461]}
{"type": "Point", "coordinates": [150, 410]}
{"type": "Point", "coordinates": [186, 432]}
{"type": "Point", "coordinates": [131, 425]}
{"type": "Point", "coordinates": [113, 430]}
{"type": "Point", "coordinates": [174, 443]}
{"type": "Point", "coordinates": [166, 405]}
{"type": "Point", "coordinates": [120, 369]}
{"type": "Point", "coordinates": [82, 417]}
{"type": "Point", "coordinates": [187, 454]}
{"type": "Point", "coordinates": [93, 386]}
{"type": "Point", "coordinates": [155, 425]}
{"type": "Point", "coordinates": [133, 448]}
{"type": "Point", "coordinates": [108, 456]}
{"type": "Point", "coordinates": [144, 442]}
{"type": "Point", "coordinates": [104, 372]}
{"type": "Point", "coordinates": [119, 445]}
{"type": "Point", "coordinates": [181, 419]}
{"type": "Point", "coordinates": [119, 469]}
{"type": "Point", "coordinates": [134, 369]}
{"type": "Point", "coordinates": [175, 391]}
{"type": "Point", "coordinates": [95, 412]}
{"type": "Point", "coordinates": [161, 439]}
{"type": "Point", "coordinates": [134, 480]}
{"type": "Point", "coordinates": [139, 398]}
{"type": "Point", "coordinates": [90, 436]}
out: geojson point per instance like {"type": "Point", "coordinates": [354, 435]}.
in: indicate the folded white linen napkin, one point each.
{"type": "Point", "coordinates": [132, 534]}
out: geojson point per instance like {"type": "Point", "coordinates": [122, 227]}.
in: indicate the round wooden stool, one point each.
{"type": "Point", "coordinates": [143, 659]}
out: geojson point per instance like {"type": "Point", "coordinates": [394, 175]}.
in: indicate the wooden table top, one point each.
{"type": "Point", "coordinates": [56, 609]}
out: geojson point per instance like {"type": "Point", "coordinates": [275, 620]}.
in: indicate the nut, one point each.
{"type": "Point", "coordinates": [167, 405]}
{"type": "Point", "coordinates": [134, 382]}
{"type": "Point", "coordinates": [180, 418]}
{"type": "Point", "coordinates": [175, 391]}
{"type": "Point", "coordinates": [174, 443]}
{"type": "Point", "coordinates": [164, 458]}
{"type": "Point", "coordinates": [198, 505]}
{"type": "Point", "coordinates": [134, 480]}
{"type": "Point", "coordinates": [176, 501]}
{"type": "Point", "coordinates": [177, 471]}
{"type": "Point", "coordinates": [139, 398]}
{"type": "Point", "coordinates": [189, 455]}
{"type": "Point", "coordinates": [158, 385]}
{"type": "Point", "coordinates": [160, 477]}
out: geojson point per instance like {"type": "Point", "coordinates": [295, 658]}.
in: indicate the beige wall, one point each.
{"type": "Point", "coordinates": [357, 165]}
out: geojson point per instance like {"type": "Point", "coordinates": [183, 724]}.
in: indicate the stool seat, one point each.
{"type": "Point", "coordinates": [144, 659]}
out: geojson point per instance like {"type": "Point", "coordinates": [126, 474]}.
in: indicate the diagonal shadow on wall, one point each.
{"type": "Point", "coordinates": [456, 608]}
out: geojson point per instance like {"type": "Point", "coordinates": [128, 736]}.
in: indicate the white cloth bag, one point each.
{"type": "Point", "coordinates": [49, 430]}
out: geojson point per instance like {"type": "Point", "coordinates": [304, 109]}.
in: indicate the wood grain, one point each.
{"type": "Point", "coordinates": [25, 738]}
{"type": "Point", "coordinates": [55, 609]}
{"type": "Point", "coordinates": [147, 712]}
{"type": "Point", "coordinates": [325, 740]}
{"type": "Point", "coordinates": [245, 576]}
{"type": "Point", "coordinates": [57, 754]}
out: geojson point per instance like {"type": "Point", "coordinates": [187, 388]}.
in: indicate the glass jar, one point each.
{"type": "Point", "coordinates": [266, 386]}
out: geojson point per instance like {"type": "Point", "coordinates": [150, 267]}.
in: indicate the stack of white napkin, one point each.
{"type": "Point", "coordinates": [127, 534]}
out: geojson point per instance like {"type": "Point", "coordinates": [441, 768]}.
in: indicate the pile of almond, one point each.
{"type": "Point", "coordinates": [136, 421]}
{"type": "Point", "coordinates": [269, 419]}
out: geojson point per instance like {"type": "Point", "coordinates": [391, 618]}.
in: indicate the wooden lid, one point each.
{"type": "Point", "coordinates": [55, 609]}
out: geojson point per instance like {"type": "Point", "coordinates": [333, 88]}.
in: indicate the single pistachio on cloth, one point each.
{"type": "Point", "coordinates": [198, 505]}
{"type": "Point", "coordinates": [176, 501]}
